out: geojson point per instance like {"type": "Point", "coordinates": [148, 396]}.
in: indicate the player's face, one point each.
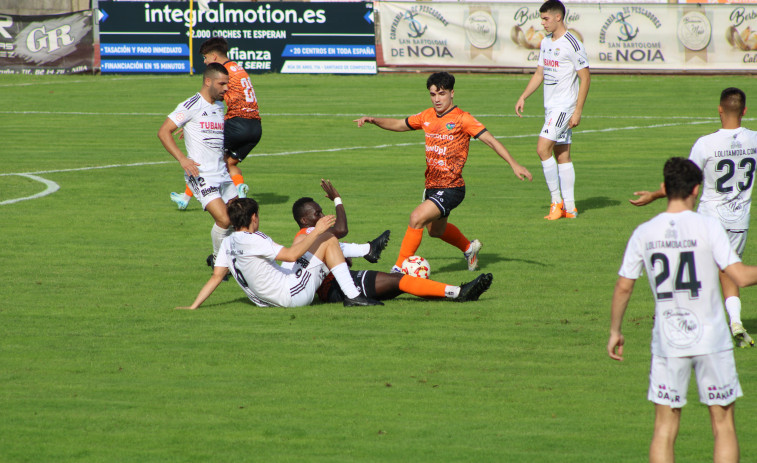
{"type": "Point", "coordinates": [551, 21]}
{"type": "Point", "coordinates": [312, 215]}
{"type": "Point", "coordinates": [441, 99]}
{"type": "Point", "coordinates": [210, 58]}
{"type": "Point", "coordinates": [218, 87]}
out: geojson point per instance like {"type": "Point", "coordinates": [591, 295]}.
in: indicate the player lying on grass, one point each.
{"type": "Point", "coordinates": [681, 252]}
{"type": "Point", "coordinates": [251, 257]}
{"type": "Point", "coordinates": [448, 130]}
{"type": "Point", "coordinates": [372, 284]}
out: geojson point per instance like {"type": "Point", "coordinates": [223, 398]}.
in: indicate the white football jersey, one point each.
{"type": "Point", "coordinates": [728, 159]}
{"type": "Point", "coordinates": [251, 258]}
{"type": "Point", "coordinates": [203, 133]}
{"type": "Point", "coordinates": [681, 253]}
{"type": "Point", "coordinates": [561, 59]}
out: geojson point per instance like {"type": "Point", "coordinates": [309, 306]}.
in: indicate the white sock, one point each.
{"type": "Point", "coordinates": [451, 292]}
{"type": "Point", "coordinates": [733, 307]}
{"type": "Point", "coordinates": [217, 234]}
{"type": "Point", "coordinates": [354, 249]}
{"type": "Point", "coordinates": [186, 197]}
{"type": "Point", "coordinates": [553, 180]}
{"type": "Point", "coordinates": [342, 275]}
{"type": "Point", "coordinates": [567, 181]}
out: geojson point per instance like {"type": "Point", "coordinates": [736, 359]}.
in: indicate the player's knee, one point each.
{"type": "Point", "coordinates": [435, 232]}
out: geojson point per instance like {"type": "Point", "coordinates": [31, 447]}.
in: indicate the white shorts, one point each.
{"type": "Point", "coordinates": [208, 189]}
{"type": "Point", "coordinates": [556, 126]}
{"type": "Point", "coordinates": [738, 240]}
{"type": "Point", "coordinates": [717, 380]}
{"type": "Point", "coordinates": [307, 275]}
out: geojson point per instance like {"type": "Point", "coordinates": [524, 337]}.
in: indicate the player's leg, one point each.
{"type": "Point", "coordinates": [182, 199]}
{"type": "Point", "coordinates": [240, 137]}
{"type": "Point", "coordinates": [422, 287]}
{"type": "Point", "coordinates": [724, 432]}
{"type": "Point", "coordinates": [419, 218]}
{"type": "Point", "coordinates": [666, 423]}
{"type": "Point", "coordinates": [567, 175]}
{"type": "Point", "coordinates": [544, 148]}
{"type": "Point", "coordinates": [731, 293]}
{"type": "Point", "coordinates": [326, 249]}
{"type": "Point", "coordinates": [222, 226]}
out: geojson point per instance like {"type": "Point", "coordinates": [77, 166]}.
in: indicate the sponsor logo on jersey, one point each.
{"type": "Point", "coordinates": [211, 125]}
{"type": "Point", "coordinates": [553, 63]}
{"type": "Point", "coordinates": [440, 136]}
{"type": "Point", "coordinates": [450, 125]}
{"type": "Point", "coordinates": [436, 149]}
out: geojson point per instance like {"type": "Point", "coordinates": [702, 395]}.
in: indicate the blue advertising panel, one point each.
{"type": "Point", "coordinates": [310, 37]}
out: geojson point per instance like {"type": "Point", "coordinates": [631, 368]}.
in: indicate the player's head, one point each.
{"type": "Point", "coordinates": [682, 176]}
{"type": "Point", "coordinates": [441, 88]}
{"type": "Point", "coordinates": [733, 101]}
{"type": "Point", "coordinates": [216, 80]}
{"type": "Point", "coordinates": [552, 13]}
{"type": "Point", "coordinates": [306, 212]}
{"type": "Point", "coordinates": [214, 50]}
{"type": "Point", "coordinates": [241, 212]}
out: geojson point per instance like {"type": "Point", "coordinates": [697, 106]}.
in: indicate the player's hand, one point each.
{"type": "Point", "coordinates": [331, 192]}
{"type": "Point", "coordinates": [190, 167]}
{"type": "Point", "coordinates": [362, 121]}
{"type": "Point", "coordinates": [644, 198]}
{"type": "Point", "coordinates": [519, 106]}
{"type": "Point", "coordinates": [575, 119]}
{"type": "Point", "coordinates": [522, 173]}
{"type": "Point", "coordinates": [180, 133]}
{"type": "Point", "coordinates": [324, 223]}
{"type": "Point", "coordinates": [615, 346]}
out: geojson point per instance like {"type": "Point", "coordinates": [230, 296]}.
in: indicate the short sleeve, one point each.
{"type": "Point", "coordinates": [633, 259]}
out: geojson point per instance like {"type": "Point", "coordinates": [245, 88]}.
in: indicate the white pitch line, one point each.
{"type": "Point", "coordinates": [52, 187]}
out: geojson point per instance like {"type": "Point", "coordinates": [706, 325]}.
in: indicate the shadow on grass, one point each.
{"type": "Point", "coordinates": [269, 198]}
{"type": "Point", "coordinates": [488, 258]}
{"type": "Point", "coordinates": [598, 202]}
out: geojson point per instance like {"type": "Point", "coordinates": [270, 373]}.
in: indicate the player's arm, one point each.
{"type": "Point", "coordinates": [583, 91]}
{"type": "Point", "coordinates": [300, 247]}
{"type": "Point", "coordinates": [165, 134]}
{"type": "Point", "coordinates": [620, 298]}
{"type": "Point", "coordinates": [742, 275]}
{"type": "Point", "coordinates": [646, 197]}
{"type": "Point", "coordinates": [395, 125]}
{"type": "Point", "coordinates": [531, 87]}
{"type": "Point", "coordinates": [340, 229]}
{"type": "Point", "coordinates": [520, 171]}
{"type": "Point", "coordinates": [215, 279]}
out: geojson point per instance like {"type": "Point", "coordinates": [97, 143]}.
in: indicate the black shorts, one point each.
{"type": "Point", "coordinates": [445, 199]}
{"type": "Point", "coordinates": [365, 280]}
{"type": "Point", "coordinates": [240, 136]}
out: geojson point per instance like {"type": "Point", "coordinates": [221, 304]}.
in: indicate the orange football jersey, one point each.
{"type": "Point", "coordinates": [447, 140]}
{"type": "Point", "coordinates": [240, 97]}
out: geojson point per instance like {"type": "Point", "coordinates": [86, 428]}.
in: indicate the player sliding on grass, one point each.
{"type": "Point", "coordinates": [728, 160]}
{"type": "Point", "coordinates": [373, 284]}
{"type": "Point", "coordinates": [448, 130]}
{"type": "Point", "coordinates": [251, 257]}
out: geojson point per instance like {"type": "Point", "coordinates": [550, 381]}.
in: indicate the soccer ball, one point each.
{"type": "Point", "coordinates": [416, 266]}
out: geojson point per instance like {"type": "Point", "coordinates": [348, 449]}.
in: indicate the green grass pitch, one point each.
{"type": "Point", "coordinates": [95, 365]}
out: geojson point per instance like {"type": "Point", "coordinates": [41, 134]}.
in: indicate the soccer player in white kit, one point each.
{"type": "Point", "coordinates": [681, 251]}
{"type": "Point", "coordinates": [250, 256]}
{"type": "Point", "coordinates": [562, 63]}
{"type": "Point", "coordinates": [728, 158]}
{"type": "Point", "coordinates": [201, 117]}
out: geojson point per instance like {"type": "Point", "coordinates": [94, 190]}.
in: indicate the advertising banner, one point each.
{"type": "Point", "coordinates": [50, 44]}
{"type": "Point", "coordinates": [622, 37]}
{"type": "Point", "coordinates": [286, 37]}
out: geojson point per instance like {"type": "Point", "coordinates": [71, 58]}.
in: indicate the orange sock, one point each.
{"type": "Point", "coordinates": [237, 179]}
{"type": "Point", "coordinates": [410, 244]}
{"type": "Point", "coordinates": [188, 192]}
{"type": "Point", "coordinates": [422, 287]}
{"type": "Point", "coordinates": [455, 237]}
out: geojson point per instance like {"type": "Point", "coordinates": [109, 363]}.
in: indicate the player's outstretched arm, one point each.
{"type": "Point", "coordinates": [215, 279]}
{"type": "Point", "coordinates": [299, 248]}
{"type": "Point", "coordinates": [646, 197]}
{"type": "Point", "coordinates": [165, 134]}
{"type": "Point", "coordinates": [395, 125]}
{"type": "Point", "coordinates": [583, 91]}
{"type": "Point", "coordinates": [340, 229]}
{"type": "Point", "coordinates": [742, 275]}
{"type": "Point", "coordinates": [620, 298]}
{"type": "Point", "coordinates": [519, 171]}
{"type": "Point", "coordinates": [531, 87]}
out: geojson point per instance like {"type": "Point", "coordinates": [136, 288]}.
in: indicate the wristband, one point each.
{"type": "Point", "coordinates": [337, 201]}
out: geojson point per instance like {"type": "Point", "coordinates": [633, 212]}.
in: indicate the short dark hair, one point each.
{"type": "Point", "coordinates": [733, 100]}
{"type": "Point", "coordinates": [442, 80]}
{"type": "Point", "coordinates": [681, 176]}
{"type": "Point", "coordinates": [241, 212]}
{"type": "Point", "coordinates": [299, 207]}
{"type": "Point", "coordinates": [553, 5]}
{"type": "Point", "coordinates": [216, 44]}
{"type": "Point", "coordinates": [213, 70]}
